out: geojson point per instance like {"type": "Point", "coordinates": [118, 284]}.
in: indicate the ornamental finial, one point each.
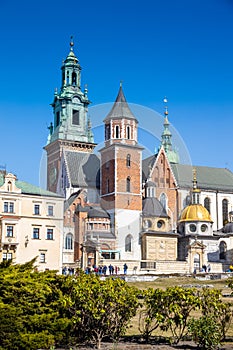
{"type": "Point", "coordinates": [165, 100]}
{"type": "Point", "coordinates": [71, 43]}
{"type": "Point", "coordinates": [194, 178]}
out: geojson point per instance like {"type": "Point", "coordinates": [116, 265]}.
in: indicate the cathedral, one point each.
{"type": "Point", "coordinates": [154, 213]}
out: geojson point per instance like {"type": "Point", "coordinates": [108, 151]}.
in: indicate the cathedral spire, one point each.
{"type": "Point", "coordinates": [166, 137]}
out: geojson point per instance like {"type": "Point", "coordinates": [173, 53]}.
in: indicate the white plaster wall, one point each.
{"type": "Point", "coordinates": [128, 222]}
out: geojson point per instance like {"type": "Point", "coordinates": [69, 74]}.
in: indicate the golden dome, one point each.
{"type": "Point", "coordinates": [195, 212]}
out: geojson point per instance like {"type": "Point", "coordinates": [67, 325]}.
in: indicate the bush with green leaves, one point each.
{"type": "Point", "coordinates": [205, 332]}
{"type": "Point", "coordinates": [152, 314]}
{"type": "Point", "coordinates": [213, 305]}
{"type": "Point", "coordinates": [100, 309]}
{"type": "Point", "coordinates": [168, 309]}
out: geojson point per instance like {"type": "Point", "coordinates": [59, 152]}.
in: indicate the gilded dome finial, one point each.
{"type": "Point", "coordinates": [71, 43]}
{"type": "Point", "coordinates": [194, 178]}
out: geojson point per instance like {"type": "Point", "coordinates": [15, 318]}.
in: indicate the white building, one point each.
{"type": "Point", "coordinates": [31, 224]}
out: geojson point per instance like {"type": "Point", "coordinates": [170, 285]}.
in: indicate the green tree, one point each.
{"type": "Point", "coordinates": [99, 308]}
{"type": "Point", "coordinates": [30, 307]}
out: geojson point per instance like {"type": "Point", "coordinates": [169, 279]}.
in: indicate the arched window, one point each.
{"type": "Point", "coordinates": [69, 241]}
{"type": "Point", "coordinates": [74, 79]}
{"type": "Point", "coordinates": [163, 200]}
{"type": "Point", "coordinates": [9, 186]}
{"type": "Point", "coordinates": [128, 243]}
{"type": "Point", "coordinates": [225, 211]}
{"type": "Point", "coordinates": [128, 132]}
{"type": "Point", "coordinates": [196, 262]}
{"type": "Point", "coordinates": [207, 204]}
{"type": "Point", "coordinates": [117, 130]}
{"type": "Point", "coordinates": [67, 78]}
{"type": "Point", "coordinates": [168, 178]}
{"type": "Point", "coordinates": [128, 159]}
{"type": "Point", "coordinates": [222, 250]}
{"type": "Point", "coordinates": [128, 184]}
{"type": "Point", "coordinates": [107, 132]}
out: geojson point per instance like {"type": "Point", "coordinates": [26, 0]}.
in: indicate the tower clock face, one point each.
{"type": "Point", "coordinates": [52, 175]}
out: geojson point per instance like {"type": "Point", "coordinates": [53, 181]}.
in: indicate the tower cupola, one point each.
{"type": "Point", "coordinates": [120, 123]}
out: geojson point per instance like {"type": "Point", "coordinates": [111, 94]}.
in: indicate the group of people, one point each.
{"type": "Point", "coordinates": [104, 270]}
{"type": "Point", "coordinates": [68, 271]}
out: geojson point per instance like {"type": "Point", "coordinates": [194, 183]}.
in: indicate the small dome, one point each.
{"type": "Point", "coordinates": [195, 212]}
{"type": "Point", "coordinates": [152, 207]}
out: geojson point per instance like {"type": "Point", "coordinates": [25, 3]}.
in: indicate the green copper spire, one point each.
{"type": "Point", "coordinates": [166, 136]}
{"type": "Point", "coordinates": [70, 105]}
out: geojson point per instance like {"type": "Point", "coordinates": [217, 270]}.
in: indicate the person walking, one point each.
{"type": "Point", "coordinates": [125, 269]}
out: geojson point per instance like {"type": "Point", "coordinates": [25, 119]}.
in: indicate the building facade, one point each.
{"type": "Point", "coordinates": [31, 224]}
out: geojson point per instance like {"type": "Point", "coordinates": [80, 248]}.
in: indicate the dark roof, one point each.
{"type": "Point", "coordinates": [228, 228]}
{"type": "Point", "coordinates": [120, 109]}
{"type": "Point", "coordinates": [147, 164]}
{"type": "Point", "coordinates": [97, 212]}
{"type": "Point", "coordinates": [83, 169]}
{"type": "Point", "coordinates": [70, 200]}
{"type": "Point", "coordinates": [208, 178]}
{"type": "Point", "coordinates": [152, 207]}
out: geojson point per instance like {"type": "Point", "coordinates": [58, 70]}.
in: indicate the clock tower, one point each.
{"type": "Point", "coordinates": [71, 129]}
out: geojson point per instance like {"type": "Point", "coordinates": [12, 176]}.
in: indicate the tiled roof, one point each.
{"type": "Point", "coordinates": [27, 188]}
{"type": "Point", "coordinates": [120, 109]}
{"type": "Point", "coordinates": [208, 178]}
{"type": "Point", "coordinates": [147, 163]}
{"type": "Point", "coordinates": [83, 169]}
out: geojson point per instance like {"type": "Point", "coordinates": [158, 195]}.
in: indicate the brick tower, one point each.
{"type": "Point", "coordinates": [121, 160]}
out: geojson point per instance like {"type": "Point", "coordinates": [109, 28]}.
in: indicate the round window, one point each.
{"type": "Point", "coordinates": [192, 228]}
{"type": "Point", "coordinates": [160, 223]}
{"type": "Point", "coordinates": [204, 228]}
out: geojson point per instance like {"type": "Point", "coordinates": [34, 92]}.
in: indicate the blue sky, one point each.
{"type": "Point", "coordinates": [180, 49]}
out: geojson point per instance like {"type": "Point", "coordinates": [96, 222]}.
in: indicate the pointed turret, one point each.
{"type": "Point", "coordinates": [120, 123]}
{"type": "Point", "coordinates": [120, 109]}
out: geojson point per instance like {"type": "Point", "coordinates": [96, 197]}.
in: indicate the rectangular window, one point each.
{"type": "Point", "coordinates": [49, 233]}
{"type": "Point", "coordinates": [6, 256]}
{"type": "Point", "coordinates": [9, 231]}
{"type": "Point", "coordinates": [36, 233]}
{"type": "Point", "coordinates": [37, 209]}
{"type": "Point", "coordinates": [8, 207]}
{"type": "Point", "coordinates": [75, 120]}
{"type": "Point", "coordinates": [50, 210]}
{"type": "Point", "coordinates": [42, 257]}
